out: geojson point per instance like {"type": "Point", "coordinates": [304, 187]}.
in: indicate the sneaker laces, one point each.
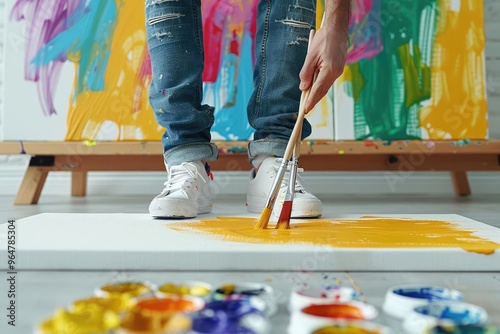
{"type": "Point", "coordinates": [177, 176]}
{"type": "Point", "coordinates": [299, 188]}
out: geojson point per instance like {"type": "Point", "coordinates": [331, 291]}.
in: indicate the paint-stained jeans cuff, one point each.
{"type": "Point", "coordinates": [191, 152]}
{"type": "Point", "coordinates": [273, 147]}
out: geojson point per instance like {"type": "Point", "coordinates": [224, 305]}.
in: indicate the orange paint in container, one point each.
{"type": "Point", "coordinates": [161, 315]}
{"type": "Point", "coordinates": [168, 305]}
{"type": "Point", "coordinates": [316, 316]}
{"type": "Point", "coordinates": [335, 311]}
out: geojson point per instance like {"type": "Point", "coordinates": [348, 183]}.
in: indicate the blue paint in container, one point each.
{"type": "Point", "coordinates": [430, 293]}
{"type": "Point", "coordinates": [464, 329]}
{"type": "Point", "coordinates": [230, 316]}
{"type": "Point", "coordinates": [457, 313]}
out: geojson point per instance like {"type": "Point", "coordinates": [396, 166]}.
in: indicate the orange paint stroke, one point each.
{"type": "Point", "coordinates": [366, 232]}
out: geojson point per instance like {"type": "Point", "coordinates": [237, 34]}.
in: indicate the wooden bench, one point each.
{"type": "Point", "coordinates": [395, 157]}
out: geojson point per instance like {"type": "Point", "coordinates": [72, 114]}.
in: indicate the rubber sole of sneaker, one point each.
{"type": "Point", "coordinates": [178, 209]}
{"type": "Point", "coordinates": [306, 210]}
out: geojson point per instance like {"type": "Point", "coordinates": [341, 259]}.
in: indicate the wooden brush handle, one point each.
{"type": "Point", "coordinates": [304, 96]}
{"type": "Point", "coordinates": [296, 151]}
{"type": "Point", "coordinates": [297, 129]}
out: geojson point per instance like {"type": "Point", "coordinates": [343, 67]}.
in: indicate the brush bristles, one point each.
{"type": "Point", "coordinates": [286, 213]}
{"type": "Point", "coordinates": [264, 219]}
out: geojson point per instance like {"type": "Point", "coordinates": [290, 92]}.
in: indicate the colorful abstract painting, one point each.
{"type": "Point", "coordinates": [85, 67]}
{"type": "Point", "coordinates": [415, 71]}
{"type": "Point", "coordinates": [80, 70]}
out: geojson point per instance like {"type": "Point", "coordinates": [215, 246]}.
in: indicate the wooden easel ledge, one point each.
{"type": "Point", "coordinates": [399, 156]}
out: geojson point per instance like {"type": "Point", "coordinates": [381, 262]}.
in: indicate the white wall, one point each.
{"type": "Point", "coordinates": [12, 167]}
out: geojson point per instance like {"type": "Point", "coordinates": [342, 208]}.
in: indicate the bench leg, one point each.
{"type": "Point", "coordinates": [78, 183]}
{"type": "Point", "coordinates": [31, 186]}
{"type": "Point", "coordinates": [460, 183]}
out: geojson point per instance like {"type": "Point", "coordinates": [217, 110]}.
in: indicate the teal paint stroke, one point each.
{"type": "Point", "coordinates": [388, 89]}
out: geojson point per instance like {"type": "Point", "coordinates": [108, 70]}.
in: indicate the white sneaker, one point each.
{"type": "Point", "coordinates": [305, 204]}
{"type": "Point", "coordinates": [186, 193]}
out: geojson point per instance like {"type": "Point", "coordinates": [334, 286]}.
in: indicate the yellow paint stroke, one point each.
{"type": "Point", "coordinates": [124, 99]}
{"type": "Point", "coordinates": [366, 232]}
{"type": "Point", "coordinates": [458, 107]}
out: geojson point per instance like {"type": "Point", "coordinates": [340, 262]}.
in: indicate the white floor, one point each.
{"type": "Point", "coordinates": [40, 292]}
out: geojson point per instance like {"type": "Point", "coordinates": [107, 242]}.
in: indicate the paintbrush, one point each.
{"type": "Point", "coordinates": [286, 209]}
{"type": "Point", "coordinates": [271, 199]}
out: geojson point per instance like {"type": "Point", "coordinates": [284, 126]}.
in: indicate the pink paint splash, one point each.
{"type": "Point", "coordinates": [365, 30]}
{"type": "Point", "coordinates": [143, 80]}
{"type": "Point", "coordinates": [220, 31]}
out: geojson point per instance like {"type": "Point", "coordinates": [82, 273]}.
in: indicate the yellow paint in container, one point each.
{"type": "Point", "coordinates": [346, 328]}
{"type": "Point", "coordinates": [115, 303]}
{"type": "Point", "coordinates": [130, 289]}
{"type": "Point", "coordinates": [189, 288]}
{"type": "Point", "coordinates": [90, 320]}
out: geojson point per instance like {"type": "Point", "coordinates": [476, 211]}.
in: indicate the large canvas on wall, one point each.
{"type": "Point", "coordinates": [421, 74]}
{"type": "Point", "coordinates": [80, 70]}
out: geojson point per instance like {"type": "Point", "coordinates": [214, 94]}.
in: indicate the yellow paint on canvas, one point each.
{"type": "Point", "coordinates": [458, 107]}
{"type": "Point", "coordinates": [124, 99]}
{"type": "Point", "coordinates": [366, 232]}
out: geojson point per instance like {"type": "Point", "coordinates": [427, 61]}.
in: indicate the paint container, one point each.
{"type": "Point", "coordinates": [95, 321]}
{"type": "Point", "coordinates": [315, 316]}
{"type": "Point", "coordinates": [161, 315]}
{"type": "Point", "coordinates": [353, 327]}
{"type": "Point", "coordinates": [138, 290]}
{"type": "Point", "coordinates": [117, 304]}
{"type": "Point", "coordinates": [302, 297]}
{"type": "Point", "coordinates": [463, 329]}
{"type": "Point", "coordinates": [423, 318]}
{"type": "Point", "coordinates": [401, 300]}
{"type": "Point", "coordinates": [260, 295]}
{"type": "Point", "coordinates": [189, 288]}
{"type": "Point", "coordinates": [230, 316]}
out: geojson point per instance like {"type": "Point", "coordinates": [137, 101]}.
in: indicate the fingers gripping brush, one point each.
{"type": "Point", "coordinates": [296, 135]}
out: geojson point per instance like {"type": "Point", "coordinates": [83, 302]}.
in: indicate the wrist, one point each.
{"type": "Point", "coordinates": [337, 16]}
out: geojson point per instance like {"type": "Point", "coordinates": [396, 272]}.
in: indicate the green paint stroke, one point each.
{"type": "Point", "coordinates": [388, 89]}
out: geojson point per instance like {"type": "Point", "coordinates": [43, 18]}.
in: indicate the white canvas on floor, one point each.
{"type": "Point", "coordinates": [55, 241]}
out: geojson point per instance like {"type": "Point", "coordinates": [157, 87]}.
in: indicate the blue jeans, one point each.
{"type": "Point", "coordinates": [175, 42]}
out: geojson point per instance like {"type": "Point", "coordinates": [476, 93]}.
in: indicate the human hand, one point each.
{"type": "Point", "coordinates": [327, 55]}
